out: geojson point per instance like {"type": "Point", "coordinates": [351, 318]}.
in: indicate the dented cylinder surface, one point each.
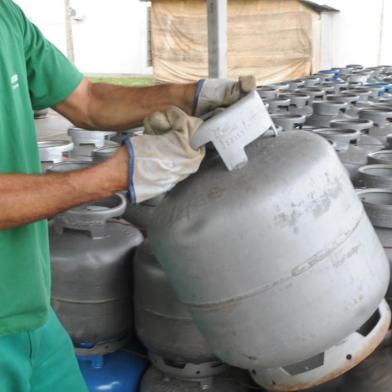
{"type": "Point", "coordinates": [257, 256]}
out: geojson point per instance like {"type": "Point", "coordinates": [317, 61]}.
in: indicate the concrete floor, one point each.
{"type": "Point", "coordinates": [54, 126]}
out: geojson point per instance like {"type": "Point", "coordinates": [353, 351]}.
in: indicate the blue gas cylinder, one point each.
{"type": "Point", "coordinates": [116, 372]}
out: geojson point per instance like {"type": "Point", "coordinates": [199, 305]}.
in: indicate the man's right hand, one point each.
{"type": "Point", "coordinates": [156, 161]}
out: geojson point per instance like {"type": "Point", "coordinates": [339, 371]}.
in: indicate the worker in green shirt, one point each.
{"type": "Point", "coordinates": [36, 353]}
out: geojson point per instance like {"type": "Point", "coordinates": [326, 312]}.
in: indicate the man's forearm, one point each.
{"type": "Point", "coordinates": [116, 108]}
{"type": "Point", "coordinates": [27, 198]}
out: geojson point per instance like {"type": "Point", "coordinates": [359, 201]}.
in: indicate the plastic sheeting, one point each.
{"type": "Point", "coordinates": [272, 39]}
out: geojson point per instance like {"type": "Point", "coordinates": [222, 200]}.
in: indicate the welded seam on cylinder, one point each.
{"type": "Point", "coordinates": [295, 272]}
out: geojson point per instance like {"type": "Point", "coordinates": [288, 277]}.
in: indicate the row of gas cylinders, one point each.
{"type": "Point", "coordinates": [271, 275]}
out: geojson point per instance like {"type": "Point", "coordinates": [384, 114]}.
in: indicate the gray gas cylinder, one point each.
{"type": "Point", "coordinates": [352, 155]}
{"type": "Point", "coordinates": [315, 93]}
{"type": "Point", "coordinates": [299, 103]}
{"type": "Point", "coordinates": [312, 81]}
{"type": "Point", "coordinates": [381, 116]}
{"type": "Point", "coordinates": [155, 381]}
{"type": "Point", "coordinates": [53, 151]}
{"type": "Point", "coordinates": [296, 84]}
{"type": "Point", "coordinates": [141, 215]}
{"type": "Point", "coordinates": [378, 206]}
{"type": "Point", "coordinates": [326, 111]}
{"type": "Point", "coordinates": [102, 154]}
{"type": "Point", "coordinates": [351, 112]}
{"type": "Point", "coordinates": [86, 141]}
{"type": "Point", "coordinates": [165, 326]}
{"type": "Point", "coordinates": [119, 137]}
{"type": "Point", "coordinates": [278, 105]}
{"type": "Point", "coordinates": [267, 92]}
{"type": "Point", "coordinates": [383, 157]}
{"type": "Point", "coordinates": [91, 257]}
{"type": "Point", "coordinates": [288, 121]}
{"type": "Point", "coordinates": [362, 92]}
{"type": "Point", "coordinates": [291, 318]}
{"type": "Point", "coordinates": [368, 143]}
{"type": "Point", "coordinates": [376, 176]}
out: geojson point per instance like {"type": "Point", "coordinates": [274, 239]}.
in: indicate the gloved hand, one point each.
{"type": "Point", "coordinates": [162, 157]}
{"type": "Point", "coordinates": [213, 93]}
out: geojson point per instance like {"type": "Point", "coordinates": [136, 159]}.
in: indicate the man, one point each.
{"type": "Point", "coordinates": [35, 352]}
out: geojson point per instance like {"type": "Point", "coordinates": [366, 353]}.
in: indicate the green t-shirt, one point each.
{"type": "Point", "coordinates": [33, 75]}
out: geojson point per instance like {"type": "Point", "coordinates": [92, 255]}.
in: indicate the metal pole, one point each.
{"type": "Point", "coordinates": [68, 31]}
{"type": "Point", "coordinates": [217, 38]}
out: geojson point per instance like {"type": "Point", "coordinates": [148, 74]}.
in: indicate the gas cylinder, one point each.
{"type": "Point", "coordinates": [222, 238]}
{"type": "Point", "coordinates": [315, 93]}
{"type": "Point", "coordinates": [102, 154]}
{"type": "Point", "coordinates": [326, 111]}
{"type": "Point", "coordinates": [91, 255]}
{"type": "Point", "coordinates": [352, 155]}
{"type": "Point", "coordinates": [381, 116]}
{"type": "Point", "coordinates": [86, 141]}
{"type": "Point", "coordinates": [299, 103]}
{"type": "Point", "coordinates": [368, 143]}
{"type": "Point", "coordinates": [118, 137]}
{"type": "Point", "coordinates": [165, 326]}
{"type": "Point", "coordinates": [312, 81]}
{"type": "Point", "coordinates": [141, 215]}
{"type": "Point", "coordinates": [278, 105]}
{"type": "Point", "coordinates": [155, 381]}
{"type": "Point", "coordinates": [378, 206]}
{"type": "Point", "coordinates": [53, 151]}
{"type": "Point", "coordinates": [267, 92]}
{"type": "Point", "coordinates": [288, 121]}
{"type": "Point", "coordinates": [351, 111]}
{"type": "Point", "coordinates": [376, 176]}
{"type": "Point", "coordinates": [362, 92]}
{"type": "Point", "coordinates": [116, 372]}
{"type": "Point", "coordinates": [383, 157]}
{"type": "Point", "coordinates": [296, 84]}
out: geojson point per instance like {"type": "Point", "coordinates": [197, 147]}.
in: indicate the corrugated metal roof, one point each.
{"type": "Point", "coordinates": [318, 7]}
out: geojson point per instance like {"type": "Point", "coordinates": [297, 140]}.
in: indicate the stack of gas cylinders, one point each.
{"type": "Point", "coordinates": [274, 276]}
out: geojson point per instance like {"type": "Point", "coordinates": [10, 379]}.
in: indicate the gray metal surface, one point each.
{"type": "Point", "coordinates": [358, 124]}
{"type": "Point", "coordinates": [155, 381]}
{"type": "Point", "coordinates": [324, 112]}
{"type": "Point", "coordinates": [223, 239]}
{"type": "Point", "coordinates": [91, 257]}
{"type": "Point", "coordinates": [235, 128]}
{"type": "Point", "coordinates": [86, 141]}
{"type": "Point", "coordinates": [342, 137]}
{"type": "Point", "coordinates": [141, 215]}
{"type": "Point", "coordinates": [335, 361]}
{"type": "Point", "coordinates": [288, 121]}
{"type": "Point", "coordinates": [52, 151]}
{"type": "Point", "coordinates": [376, 176]}
{"type": "Point", "coordinates": [381, 116]}
{"type": "Point", "coordinates": [102, 154]}
{"type": "Point", "coordinates": [382, 157]}
{"type": "Point", "coordinates": [163, 323]}
{"type": "Point", "coordinates": [378, 206]}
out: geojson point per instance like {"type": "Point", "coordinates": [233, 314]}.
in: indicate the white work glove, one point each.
{"type": "Point", "coordinates": [162, 157]}
{"type": "Point", "coordinates": [214, 93]}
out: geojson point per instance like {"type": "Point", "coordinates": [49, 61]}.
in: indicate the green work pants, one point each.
{"type": "Point", "coordinates": [40, 361]}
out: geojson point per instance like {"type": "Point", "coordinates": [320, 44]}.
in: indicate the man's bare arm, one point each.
{"type": "Point", "coordinates": [116, 108]}
{"type": "Point", "coordinates": [27, 198]}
